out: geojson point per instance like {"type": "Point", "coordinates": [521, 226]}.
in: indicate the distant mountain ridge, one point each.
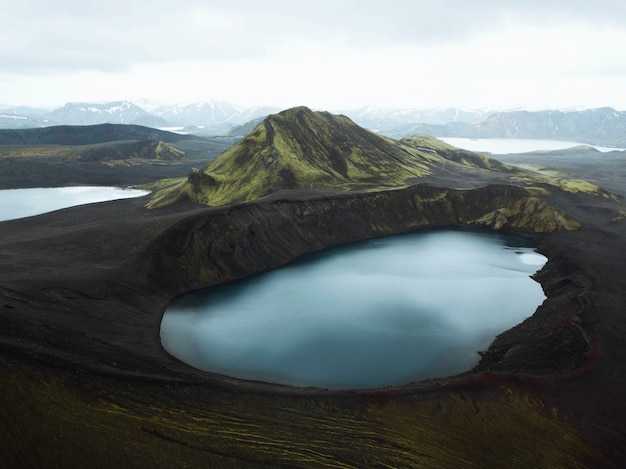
{"type": "Point", "coordinates": [388, 119]}
{"type": "Point", "coordinates": [219, 115]}
{"type": "Point", "coordinates": [116, 112]}
{"type": "Point", "coordinates": [600, 126]}
{"type": "Point", "coordinates": [595, 126]}
{"type": "Point", "coordinates": [210, 113]}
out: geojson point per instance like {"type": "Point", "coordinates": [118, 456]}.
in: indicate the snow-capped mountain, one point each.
{"type": "Point", "coordinates": [384, 119]}
{"type": "Point", "coordinates": [587, 125]}
{"type": "Point", "coordinates": [598, 126]}
{"type": "Point", "coordinates": [16, 117]}
{"type": "Point", "coordinates": [430, 115]}
{"type": "Point", "coordinates": [17, 121]}
{"type": "Point", "coordinates": [114, 112]}
{"type": "Point", "coordinates": [198, 113]}
{"type": "Point", "coordinates": [218, 115]}
{"type": "Point", "coordinates": [208, 113]}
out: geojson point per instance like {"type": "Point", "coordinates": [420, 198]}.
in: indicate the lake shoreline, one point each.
{"type": "Point", "coordinates": [27, 202]}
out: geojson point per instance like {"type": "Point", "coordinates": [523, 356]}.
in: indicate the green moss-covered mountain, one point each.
{"type": "Point", "coordinates": [299, 149]}
{"type": "Point", "coordinates": [302, 150]}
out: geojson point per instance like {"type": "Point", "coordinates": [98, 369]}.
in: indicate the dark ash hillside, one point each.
{"type": "Point", "coordinates": [85, 135]}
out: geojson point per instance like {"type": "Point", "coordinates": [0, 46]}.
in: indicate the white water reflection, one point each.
{"type": "Point", "coordinates": [504, 146]}
{"type": "Point", "coordinates": [371, 314]}
{"type": "Point", "coordinates": [20, 203]}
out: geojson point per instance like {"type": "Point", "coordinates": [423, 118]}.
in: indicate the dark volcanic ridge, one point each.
{"type": "Point", "coordinates": [85, 135]}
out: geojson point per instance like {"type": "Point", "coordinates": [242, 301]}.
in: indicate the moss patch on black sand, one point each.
{"type": "Point", "coordinates": [61, 423]}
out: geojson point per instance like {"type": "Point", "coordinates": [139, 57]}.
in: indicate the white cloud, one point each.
{"type": "Point", "coordinates": [324, 54]}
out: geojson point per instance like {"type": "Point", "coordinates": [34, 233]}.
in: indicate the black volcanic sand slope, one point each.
{"type": "Point", "coordinates": [85, 381]}
{"type": "Point", "coordinates": [106, 154]}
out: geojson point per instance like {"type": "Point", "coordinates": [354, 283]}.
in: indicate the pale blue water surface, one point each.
{"type": "Point", "coordinates": [503, 146]}
{"type": "Point", "coordinates": [371, 314]}
{"type": "Point", "coordinates": [20, 203]}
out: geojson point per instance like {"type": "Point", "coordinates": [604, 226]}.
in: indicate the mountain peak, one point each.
{"type": "Point", "coordinates": [300, 115]}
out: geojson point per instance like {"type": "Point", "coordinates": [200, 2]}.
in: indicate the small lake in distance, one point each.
{"type": "Point", "coordinates": [20, 203]}
{"type": "Point", "coordinates": [504, 146]}
{"type": "Point", "coordinates": [371, 314]}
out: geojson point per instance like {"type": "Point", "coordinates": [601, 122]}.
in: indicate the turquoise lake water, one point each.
{"type": "Point", "coordinates": [20, 203]}
{"type": "Point", "coordinates": [371, 314]}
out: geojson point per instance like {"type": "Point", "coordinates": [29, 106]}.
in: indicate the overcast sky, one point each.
{"type": "Point", "coordinates": [324, 54]}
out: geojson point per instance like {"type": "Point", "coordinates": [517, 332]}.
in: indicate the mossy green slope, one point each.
{"type": "Point", "coordinates": [302, 149]}
{"type": "Point", "coordinates": [104, 153]}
